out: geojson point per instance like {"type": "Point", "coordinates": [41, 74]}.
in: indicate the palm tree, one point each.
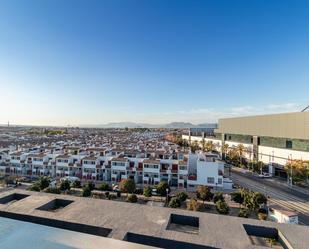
{"type": "Point", "coordinates": [203, 144]}
{"type": "Point", "coordinates": [240, 149]}
{"type": "Point", "coordinates": [210, 146]}
{"type": "Point", "coordinates": [224, 148]}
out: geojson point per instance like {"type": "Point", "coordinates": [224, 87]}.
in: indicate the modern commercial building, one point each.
{"type": "Point", "coordinates": [273, 139]}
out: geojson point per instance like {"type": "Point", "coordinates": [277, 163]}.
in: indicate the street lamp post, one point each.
{"type": "Point", "coordinates": [166, 200]}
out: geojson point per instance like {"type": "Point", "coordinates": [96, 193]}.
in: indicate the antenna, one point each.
{"type": "Point", "coordinates": [305, 109]}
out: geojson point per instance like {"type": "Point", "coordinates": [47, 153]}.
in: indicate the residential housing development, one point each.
{"type": "Point", "coordinates": [146, 157]}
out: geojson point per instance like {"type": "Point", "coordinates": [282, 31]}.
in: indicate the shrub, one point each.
{"type": "Point", "coordinates": [182, 196]}
{"type": "Point", "coordinates": [104, 186]}
{"type": "Point", "coordinates": [243, 213]}
{"type": "Point", "coordinates": [237, 197]}
{"type": "Point", "coordinates": [262, 216]}
{"type": "Point", "coordinates": [138, 191]}
{"type": "Point", "coordinates": [52, 190]}
{"type": "Point", "coordinates": [127, 185]}
{"type": "Point", "coordinates": [194, 205]}
{"type": "Point", "coordinates": [174, 203]}
{"type": "Point", "coordinates": [34, 187]}
{"type": "Point", "coordinates": [147, 191]}
{"type": "Point", "coordinates": [203, 193]}
{"type": "Point", "coordinates": [86, 191]}
{"type": "Point", "coordinates": [161, 188]}
{"type": "Point", "coordinates": [76, 184]}
{"type": "Point", "coordinates": [44, 182]}
{"type": "Point", "coordinates": [90, 185]}
{"type": "Point", "coordinates": [112, 196]}
{"type": "Point", "coordinates": [222, 207]}
{"type": "Point", "coordinates": [218, 197]}
{"type": "Point", "coordinates": [65, 185]}
{"type": "Point", "coordinates": [132, 198]}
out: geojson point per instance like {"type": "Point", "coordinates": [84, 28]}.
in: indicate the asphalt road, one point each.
{"type": "Point", "coordinates": [278, 194]}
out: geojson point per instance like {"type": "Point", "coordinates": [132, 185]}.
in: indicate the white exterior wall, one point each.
{"type": "Point", "coordinates": [270, 154]}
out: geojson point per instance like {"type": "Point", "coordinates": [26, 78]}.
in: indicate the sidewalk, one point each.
{"type": "Point", "coordinates": [274, 180]}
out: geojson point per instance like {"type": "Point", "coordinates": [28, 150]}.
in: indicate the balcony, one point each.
{"type": "Point", "coordinates": [192, 177]}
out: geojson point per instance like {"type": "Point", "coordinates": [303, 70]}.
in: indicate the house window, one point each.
{"type": "Point", "coordinates": [219, 181]}
{"type": "Point", "coordinates": [211, 180]}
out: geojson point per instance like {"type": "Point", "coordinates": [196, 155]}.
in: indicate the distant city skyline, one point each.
{"type": "Point", "coordinates": [95, 62]}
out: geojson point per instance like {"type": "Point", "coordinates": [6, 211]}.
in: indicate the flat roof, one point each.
{"type": "Point", "coordinates": [219, 231]}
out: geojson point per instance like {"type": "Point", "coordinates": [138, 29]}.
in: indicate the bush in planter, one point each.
{"type": "Point", "coordinates": [218, 197]}
{"type": "Point", "coordinates": [194, 205]}
{"type": "Point", "coordinates": [222, 207]}
{"type": "Point", "coordinates": [52, 190]}
{"type": "Point", "coordinates": [112, 197]}
{"type": "Point", "coordinates": [34, 187]}
{"type": "Point", "coordinates": [90, 185]}
{"type": "Point", "coordinates": [127, 185]}
{"type": "Point", "coordinates": [243, 213]}
{"type": "Point", "coordinates": [161, 188]}
{"type": "Point", "coordinates": [86, 191]}
{"type": "Point", "coordinates": [203, 193]}
{"type": "Point", "coordinates": [182, 196]}
{"type": "Point", "coordinates": [65, 185]}
{"type": "Point", "coordinates": [104, 186]}
{"type": "Point", "coordinates": [138, 191]}
{"type": "Point", "coordinates": [262, 214]}
{"type": "Point", "coordinates": [132, 198]}
{"type": "Point", "coordinates": [76, 184]}
{"type": "Point", "coordinates": [174, 203]}
{"type": "Point", "coordinates": [147, 191]}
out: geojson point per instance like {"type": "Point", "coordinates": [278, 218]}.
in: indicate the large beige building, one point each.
{"type": "Point", "coordinates": [285, 125]}
{"type": "Point", "coordinates": [274, 139]}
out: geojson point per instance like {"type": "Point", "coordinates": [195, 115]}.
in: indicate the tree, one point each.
{"type": "Point", "coordinates": [203, 144]}
{"type": "Point", "coordinates": [222, 207]}
{"type": "Point", "coordinates": [182, 196]}
{"type": "Point", "coordinates": [210, 146]}
{"type": "Point", "coordinates": [259, 198]}
{"type": "Point", "coordinates": [161, 188]}
{"type": "Point", "coordinates": [174, 203]}
{"type": "Point", "coordinates": [147, 191]}
{"type": "Point", "coordinates": [218, 197]}
{"type": "Point", "coordinates": [224, 148]}
{"type": "Point", "coordinates": [132, 198]}
{"type": "Point", "coordinates": [127, 185]}
{"type": "Point", "coordinates": [65, 185]}
{"type": "Point", "coordinates": [194, 146]}
{"type": "Point", "coordinates": [104, 186]}
{"type": "Point", "coordinates": [297, 170]}
{"type": "Point", "coordinates": [43, 182]}
{"type": "Point", "coordinates": [203, 193]}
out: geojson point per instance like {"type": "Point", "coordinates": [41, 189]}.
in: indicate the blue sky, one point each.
{"type": "Point", "coordinates": [92, 62]}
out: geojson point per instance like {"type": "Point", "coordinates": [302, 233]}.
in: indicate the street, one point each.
{"type": "Point", "coordinates": [280, 195]}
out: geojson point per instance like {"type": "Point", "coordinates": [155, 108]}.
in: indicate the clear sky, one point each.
{"type": "Point", "coordinates": [92, 62]}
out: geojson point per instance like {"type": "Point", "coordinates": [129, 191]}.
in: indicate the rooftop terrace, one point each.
{"type": "Point", "coordinates": [150, 225]}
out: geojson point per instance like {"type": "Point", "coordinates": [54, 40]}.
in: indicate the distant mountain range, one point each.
{"type": "Point", "coordinates": [145, 125]}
